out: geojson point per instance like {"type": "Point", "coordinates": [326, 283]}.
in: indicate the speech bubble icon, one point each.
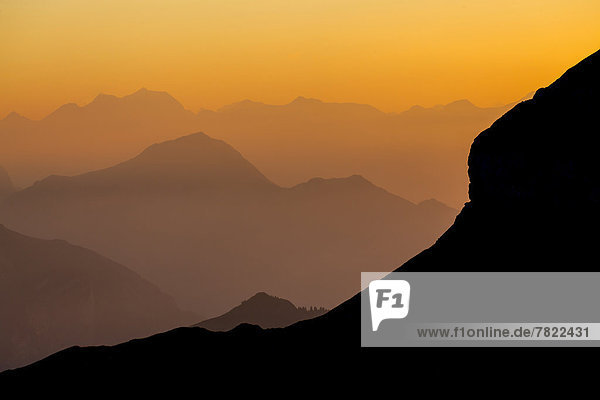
{"type": "Point", "coordinates": [389, 299]}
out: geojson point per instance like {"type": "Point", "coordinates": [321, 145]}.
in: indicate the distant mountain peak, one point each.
{"type": "Point", "coordinates": [102, 98]}
{"type": "Point", "coordinates": [262, 297]}
{"type": "Point", "coordinates": [65, 108]}
{"type": "Point", "coordinates": [195, 160]}
{"type": "Point", "coordinates": [457, 106]}
{"type": "Point", "coordinates": [349, 181]}
{"type": "Point", "coordinates": [354, 185]}
{"type": "Point", "coordinates": [416, 108]}
{"type": "Point", "coordinates": [462, 104]}
{"type": "Point", "coordinates": [106, 106]}
{"type": "Point", "coordinates": [159, 97]}
{"type": "Point", "coordinates": [143, 97]}
{"type": "Point", "coordinates": [143, 92]}
{"type": "Point", "coordinates": [357, 178]}
{"type": "Point", "coordinates": [242, 105]}
{"type": "Point", "coordinates": [262, 309]}
{"type": "Point", "coordinates": [261, 294]}
{"type": "Point", "coordinates": [306, 100]}
{"type": "Point", "coordinates": [184, 148]}
{"type": "Point", "coordinates": [14, 116]}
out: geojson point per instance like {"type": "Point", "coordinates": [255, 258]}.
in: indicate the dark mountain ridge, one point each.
{"type": "Point", "coordinates": [263, 310]}
{"type": "Point", "coordinates": [533, 169]}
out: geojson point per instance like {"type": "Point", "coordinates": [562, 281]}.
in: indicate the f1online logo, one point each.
{"type": "Point", "coordinates": [389, 299]}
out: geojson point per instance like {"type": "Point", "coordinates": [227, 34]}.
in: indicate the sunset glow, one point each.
{"type": "Point", "coordinates": [388, 53]}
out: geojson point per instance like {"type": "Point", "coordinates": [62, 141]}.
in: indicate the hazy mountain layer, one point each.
{"type": "Point", "coordinates": [194, 217]}
{"type": "Point", "coordinates": [55, 295]}
{"type": "Point", "coordinates": [418, 153]}
{"type": "Point", "coordinates": [75, 139]}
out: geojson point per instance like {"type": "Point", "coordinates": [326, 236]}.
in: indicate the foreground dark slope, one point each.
{"type": "Point", "coordinates": [534, 194]}
{"type": "Point", "coordinates": [534, 186]}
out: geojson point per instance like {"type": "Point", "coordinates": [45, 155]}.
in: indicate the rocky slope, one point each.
{"type": "Point", "coordinates": [534, 186]}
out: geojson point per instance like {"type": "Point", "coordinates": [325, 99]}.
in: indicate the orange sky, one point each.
{"type": "Point", "coordinates": [388, 53]}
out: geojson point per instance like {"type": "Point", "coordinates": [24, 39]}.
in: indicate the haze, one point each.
{"type": "Point", "coordinates": [418, 154]}
{"type": "Point", "coordinates": [165, 162]}
{"type": "Point", "coordinates": [390, 54]}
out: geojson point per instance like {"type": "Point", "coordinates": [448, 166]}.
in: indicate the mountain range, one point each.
{"type": "Point", "coordinates": [75, 139]}
{"type": "Point", "coordinates": [418, 153]}
{"type": "Point", "coordinates": [193, 216]}
{"type": "Point", "coordinates": [263, 310]}
{"type": "Point", "coordinates": [54, 295]}
{"type": "Point", "coordinates": [534, 206]}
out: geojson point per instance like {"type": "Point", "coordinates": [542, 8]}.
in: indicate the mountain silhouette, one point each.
{"type": "Point", "coordinates": [6, 185]}
{"type": "Point", "coordinates": [263, 310]}
{"type": "Point", "coordinates": [193, 216]}
{"type": "Point", "coordinates": [418, 153]}
{"type": "Point", "coordinates": [14, 120]}
{"type": "Point", "coordinates": [534, 194]}
{"type": "Point", "coordinates": [75, 139]}
{"type": "Point", "coordinates": [54, 295]}
{"type": "Point", "coordinates": [533, 169]}
{"type": "Point", "coordinates": [194, 161]}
